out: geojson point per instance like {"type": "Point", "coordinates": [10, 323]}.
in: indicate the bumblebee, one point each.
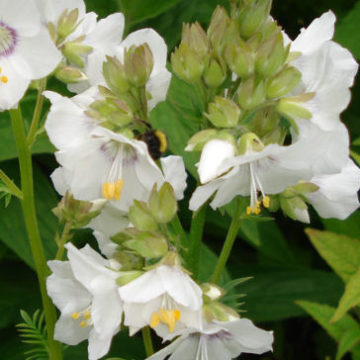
{"type": "Point", "coordinates": [156, 142]}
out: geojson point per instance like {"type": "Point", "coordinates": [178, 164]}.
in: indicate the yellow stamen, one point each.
{"type": "Point", "coordinates": [4, 79]}
{"type": "Point", "coordinates": [83, 324]}
{"type": "Point", "coordinates": [162, 139]}
{"type": "Point", "coordinates": [249, 210]}
{"type": "Point", "coordinates": [167, 317]}
{"type": "Point", "coordinates": [266, 201]}
{"type": "Point", "coordinates": [87, 315]}
{"type": "Point", "coordinates": [75, 315]}
{"type": "Point", "coordinates": [113, 190]}
{"type": "Point", "coordinates": [257, 210]}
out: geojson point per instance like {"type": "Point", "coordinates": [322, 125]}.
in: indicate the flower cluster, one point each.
{"type": "Point", "coordinates": [270, 132]}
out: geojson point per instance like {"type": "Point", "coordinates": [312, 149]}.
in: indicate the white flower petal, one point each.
{"type": "Point", "coordinates": [203, 193]}
{"type": "Point", "coordinates": [98, 345]}
{"type": "Point", "coordinates": [68, 331]}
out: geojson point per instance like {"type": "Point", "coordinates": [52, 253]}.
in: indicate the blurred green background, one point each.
{"type": "Point", "coordinates": [279, 256]}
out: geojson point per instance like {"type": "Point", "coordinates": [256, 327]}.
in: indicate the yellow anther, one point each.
{"type": "Point", "coordinates": [167, 317]}
{"type": "Point", "coordinates": [162, 139]}
{"type": "Point", "coordinates": [75, 315]}
{"type": "Point", "coordinates": [83, 324]}
{"type": "Point", "coordinates": [4, 79]}
{"type": "Point", "coordinates": [0, 69]}
{"type": "Point", "coordinates": [113, 190]}
{"type": "Point", "coordinates": [87, 315]}
{"type": "Point", "coordinates": [248, 210]}
{"type": "Point", "coordinates": [266, 201]}
{"type": "Point", "coordinates": [257, 210]}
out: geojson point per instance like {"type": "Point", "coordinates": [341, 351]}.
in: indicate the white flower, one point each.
{"type": "Point", "coordinates": [337, 196]}
{"type": "Point", "coordinates": [218, 340]}
{"type": "Point", "coordinates": [98, 163]}
{"type": "Point", "coordinates": [327, 69]}
{"type": "Point", "coordinates": [165, 298]}
{"type": "Point", "coordinates": [159, 81]}
{"type": "Point", "coordinates": [85, 291]}
{"type": "Point", "coordinates": [26, 50]}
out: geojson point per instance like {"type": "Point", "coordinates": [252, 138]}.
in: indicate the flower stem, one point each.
{"type": "Point", "coordinates": [37, 113]}
{"type": "Point", "coordinates": [196, 233]}
{"type": "Point", "coordinates": [28, 209]}
{"type": "Point", "coordinates": [62, 241]}
{"type": "Point", "coordinates": [228, 244]}
{"type": "Point", "coordinates": [149, 349]}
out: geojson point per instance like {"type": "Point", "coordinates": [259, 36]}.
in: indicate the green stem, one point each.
{"type": "Point", "coordinates": [37, 113]}
{"type": "Point", "coordinates": [14, 190]}
{"type": "Point", "coordinates": [196, 234]}
{"type": "Point", "coordinates": [149, 349]}
{"type": "Point", "coordinates": [228, 244]}
{"type": "Point", "coordinates": [62, 241]}
{"type": "Point", "coordinates": [28, 209]}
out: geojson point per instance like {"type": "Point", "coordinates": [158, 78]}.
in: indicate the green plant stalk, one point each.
{"type": "Point", "coordinates": [228, 244]}
{"type": "Point", "coordinates": [11, 185]}
{"type": "Point", "coordinates": [196, 234]}
{"type": "Point", "coordinates": [28, 209]}
{"type": "Point", "coordinates": [62, 241]}
{"type": "Point", "coordinates": [149, 349]}
{"type": "Point", "coordinates": [37, 113]}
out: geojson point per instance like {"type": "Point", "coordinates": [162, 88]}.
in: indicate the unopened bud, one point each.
{"type": "Point", "coordinates": [264, 121]}
{"type": "Point", "coordinates": [251, 93]}
{"type": "Point", "coordinates": [271, 56]}
{"type": "Point", "coordinates": [138, 64]}
{"type": "Point", "coordinates": [198, 141]}
{"type": "Point", "coordinates": [253, 16]}
{"type": "Point", "coordinates": [223, 113]}
{"type": "Point", "coordinates": [292, 107]}
{"type": "Point", "coordinates": [128, 276]}
{"type": "Point", "coordinates": [73, 51]}
{"type": "Point", "coordinates": [250, 143]}
{"type": "Point", "coordinates": [304, 187]}
{"type": "Point", "coordinates": [194, 37]}
{"type": "Point", "coordinates": [67, 23]}
{"type": "Point", "coordinates": [212, 291]}
{"type": "Point", "coordinates": [70, 75]}
{"type": "Point", "coordinates": [240, 59]}
{"type": "Point", "coordinates": [217, 29]}
{"type": "Point", "coordinates": [163, 204]}
{"type": "Point", "coordinates": [217, 311]}
{"type": "Point", "coordinates": [295, 207]}
{"type": "Point", "coordinates": [283, 82]}
{"type": "Point", "coordinates": [115, 76]}
{"type": "Point", "coordinates": [141, 217]}
{"type": "Point", "coordinates": [215, 73]}
{"type": "Point", "coordinates": [186, 64]}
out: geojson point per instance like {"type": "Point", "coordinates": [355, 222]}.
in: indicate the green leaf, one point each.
{"type": "Point", "coordinates": [12, 227]}
{"type": "Point", "coordinates": [349, 227]}
{"type": "Point", "coordinates": [348, 31]}
{"type": "Point", "coordinates": [341, 252]}
{"type": "Point", "coordinates": [350, 298]}
{"type": "Point", "coordinates": [139, 10]}
{"type": "Point", "coordinates": [272, 294]}
{"type": "Point", "coordinates": [355, 156]}
{"type": "Point", "coordinates": [346, 331]}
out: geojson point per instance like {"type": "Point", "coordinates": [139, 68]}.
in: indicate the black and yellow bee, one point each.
{"type": "Point", "coordinates": [156, 142]}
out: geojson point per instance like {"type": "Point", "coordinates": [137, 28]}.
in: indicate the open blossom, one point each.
{"type": "Point", "coordinates": [99, 163]}
{"type": "Point", "coordinates": [165, 298]}
{"type": "Point", "coordinates": [328, 70]}
{"type": "Point", "coordinates": [85, 291]}
{"type": "Point", "coordinates": [26, 50]}
{"type": "Point", "coordinates": [218, 340]}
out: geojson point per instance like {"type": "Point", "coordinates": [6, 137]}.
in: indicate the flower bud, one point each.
{"type": "Point", "coordinates": [186, 64]}
{"type": "Point", "coordinates": [217, 29]}
{"type": "Point", "coordinates": [215, 73]}
{"type": "Point", "coordinates": [271, 56]}
{"type": "Point", "coordinates": [212, 291]}
{"type": "Point", "coordinates": [284, 82]}
{"type": "Point", "coordinates": [240, 59]}
{"type": "Point", "coordinates": [223, 112]}
{"type": "Point", "coordinates": [74, 50]}
{"type": "Point", "coordinates": [67, 23]}
{"type": "Point", "coordinates": [304, 187]}
{"type": "Point", "coordinates": [293, 207]}
{"type": "Point", "coordinates": [251, 93]}
{"type": "Point", "coordinates": [70, 75]}
{"type": "Point", "coordinates": [115, 76]}
{"type": "Point", "coordinates": [148, 244]}
{"type": "Point", "coordinates": [290, 107]}
{"type": "Point", "coordinates": [163, 204]}
{"type": "Point", "coordinates": [250, 143]}
{"type": "Point", "coordinates": [127, 276]}
{"type": "Point", "coordinates": [194, 37]}
{"type": "Point", "coordinates": [141, 217]}
{"type": "Point", "coordinates": [138, 64]}
{"type": "Point", "coordinates": [77, 212]}
{"type": "Point", "coordinates": [264, 121]}
{"type": "Point", "coordinates": [217, 311]}
{"type": "Point", "coordinates": [253, 16]}
{"type": "Point", "coordinates": [198, 141]}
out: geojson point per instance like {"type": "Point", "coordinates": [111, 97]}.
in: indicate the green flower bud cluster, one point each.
{"type": "Point", "coordinates": [77, 213]}
{"type": "Point", "coordinates": [244, 67]}
{"type": "Point", "coordinates": [293, 199]}
{"type": "Point", "coordinates": [147, 240]}
{"type": "Point", "coordinates": [69, 71]}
